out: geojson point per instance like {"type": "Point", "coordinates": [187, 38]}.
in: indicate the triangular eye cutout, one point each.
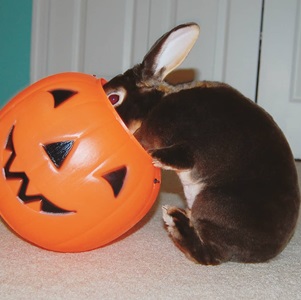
{"type": "Point", "coordinates": [116, 179]}
{"type": "Point", "coordinates": [58, 152]}
{"type": "Point", "coordinates": [61, 95]}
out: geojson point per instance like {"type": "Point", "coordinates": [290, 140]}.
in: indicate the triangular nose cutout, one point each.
{"type": "Point", "coordinates": [58, 152]}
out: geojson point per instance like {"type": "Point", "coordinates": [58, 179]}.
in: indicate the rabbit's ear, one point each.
{"type": "Point", "coordinates": [170, 50]}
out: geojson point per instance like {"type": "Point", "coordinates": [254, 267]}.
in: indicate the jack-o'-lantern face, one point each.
{"type": "Point", "coordinates": [72, 178]}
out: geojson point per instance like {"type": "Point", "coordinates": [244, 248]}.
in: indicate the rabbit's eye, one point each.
{"type": "Point", "coordinates": [114, 98]}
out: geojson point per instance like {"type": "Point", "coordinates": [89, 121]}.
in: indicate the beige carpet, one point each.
{"type": "Point", "coordinates": [143, 265]}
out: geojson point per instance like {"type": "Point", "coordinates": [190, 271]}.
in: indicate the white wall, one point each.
{"type": "Point", "coordinates": [106, 37]}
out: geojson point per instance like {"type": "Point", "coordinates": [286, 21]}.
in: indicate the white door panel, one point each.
{"type": "Point", "coordinates": [105, 37]}
{"type": "Point", "coordinates": [280, 72]}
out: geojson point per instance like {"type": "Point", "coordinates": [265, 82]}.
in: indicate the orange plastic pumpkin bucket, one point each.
{"type": "Point", "coordinates": [72, 176]}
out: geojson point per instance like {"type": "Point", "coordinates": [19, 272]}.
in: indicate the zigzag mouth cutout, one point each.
{"type": "Point", "coordinates": [46, 205]}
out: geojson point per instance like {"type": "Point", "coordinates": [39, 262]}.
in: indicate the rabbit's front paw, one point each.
{"type": "Point", "coordinates": [157, 163]}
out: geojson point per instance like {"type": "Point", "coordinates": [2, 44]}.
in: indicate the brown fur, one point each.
{"type": "Point", "coordinates": [249, 207]}
{"type": "Point", "coordinates": [234, 162]}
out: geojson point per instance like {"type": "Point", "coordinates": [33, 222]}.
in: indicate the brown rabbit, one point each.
{"type": "Point", "coordinates": [236, 167]}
